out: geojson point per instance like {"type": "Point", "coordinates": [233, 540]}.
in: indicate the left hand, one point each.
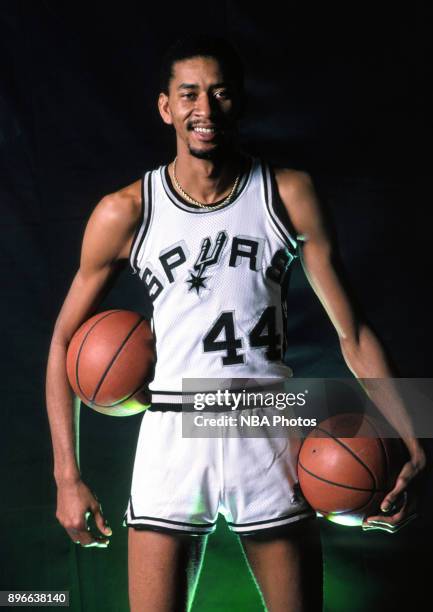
{"type": "Point", "coordinates": [400, 500]}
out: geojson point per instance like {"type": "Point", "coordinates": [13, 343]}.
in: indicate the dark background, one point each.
{"type": "Point", "coordinates": [339, 91]}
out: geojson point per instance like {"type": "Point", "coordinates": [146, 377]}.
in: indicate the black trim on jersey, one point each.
{"type": "Point", "coordinates": [163, 407]}
{"type": "Point", "coordinates": [166, 407]}
{"type": "Point", "coordinates": [143, 226]}
{"type": "Point", "coordinates": [183, 204]}
{"type": "Point", "coordinates": [169, 522]}
{"type": "Point", "coordinates": [138, 228]}
{"type": "Point", "coordinates": [180, 394]}
{"type": "Point", "coordinates": [276, 209]}
{"type": "Point", "coordinates": [166, 530]}
{"type": "Point", "coordinates": [278, 205]}
{"type": "Point", "coordinates": [185, 393]}
{"type": "Point", "coordinates": [285, 230]}
{"type": "Point", "coordinates": [197, 527]}
{"type": "Point", "coordinates": [284, 305]}
{"type": "Point", "coordinates": [289, 518]}
{"type": "Point", "coordinates": [184, 400]}
{"type": "Point", "coordinates": [284, 324]}
{"type": "Point", "coordinates": [179, 400]}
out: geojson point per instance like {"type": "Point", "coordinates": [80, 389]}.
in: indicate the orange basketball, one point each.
{"type": "Point", "coordinates": [109, 361]}
{"type": "Point", "coordinates": [345, 467]}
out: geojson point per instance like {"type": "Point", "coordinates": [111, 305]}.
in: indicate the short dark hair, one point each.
{"type": "Point", "coordinates": [216, 47]}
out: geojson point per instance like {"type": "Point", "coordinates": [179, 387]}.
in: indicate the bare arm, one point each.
{"type": "Point", "coordinates": [105, 247]}
{"type": "Point", "coordinates": [360, 347]}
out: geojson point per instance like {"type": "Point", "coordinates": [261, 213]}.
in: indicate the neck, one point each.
{"type": "Point", "coordinates": [206, 180]}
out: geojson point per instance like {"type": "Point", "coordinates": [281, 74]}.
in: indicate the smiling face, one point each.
{"type": "Point", "coordinates": [202, 106]}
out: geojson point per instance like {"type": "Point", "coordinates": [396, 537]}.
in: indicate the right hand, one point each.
{"type": "Point", "coordinates": [75, 503]}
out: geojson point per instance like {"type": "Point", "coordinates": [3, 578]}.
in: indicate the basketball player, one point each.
{"type": "Point", "coordinates": [211, 236]}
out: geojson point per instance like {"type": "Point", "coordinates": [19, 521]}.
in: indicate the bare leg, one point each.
{"type": "Point", "coordinates": [163, 570]}
{"type": "Point", "coordinates": [288, 567]}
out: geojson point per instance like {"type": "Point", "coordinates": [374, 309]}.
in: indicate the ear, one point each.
{"type": "Point", "coordinates": [164, 108]}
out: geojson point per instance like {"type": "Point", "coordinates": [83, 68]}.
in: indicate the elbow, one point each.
{"type": "Point", "coordinates": [350, 348]}
{"type": "Point", "coordinates": [362, 351]}
{"type": "Point", "coordinates": [352, 344]}
{"type": "Point", "coordinates": [60, 338]}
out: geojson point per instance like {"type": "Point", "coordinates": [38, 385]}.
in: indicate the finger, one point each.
{"type": "Point", "coordinates": [407, 473]}
{"type": "Point", "coordinates": [390, 519]}
{"type": "Point", "coordinates": [96, 542]}
{"type": "Point", "coordinates": [389, 528]}
{"type": "Point", "coordinates": [77, 535]}
{"type": "Point", "coordinates": [86, 539]}
{"type": "Point", "coordinates": [386, 520]}
{"type": "Point", "coordinates": [81, 524]}
{"type": "Point", "coordinates": [391, 523]}
{"type": "Point", "coordinates": [391, 499]}
{"type": "Point", "coordinates": [395, 505]}
{"type": "Point", "coordinates": [101, 523]}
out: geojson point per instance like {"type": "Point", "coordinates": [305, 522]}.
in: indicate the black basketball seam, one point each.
{"type": "Point", "coordinates": [124, 399]}
{"type": "Point", "coordinates": [372, 494]}
{"type": "Point", "coordinates": [349, 450]}
{"type": "Point", "coordinates": [113, 359]}
{"type": "Point", "coordinates": [337, 484]}
{"type": "Point", "coordinates": [81, 347]}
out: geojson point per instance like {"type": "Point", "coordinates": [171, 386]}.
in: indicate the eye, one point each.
{"type": "Point", "coordinates": [188, 96]}
{"type": "Point", "coordinates": [223, 93]}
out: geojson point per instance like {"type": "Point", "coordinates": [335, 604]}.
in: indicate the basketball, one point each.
{"type": "Point", "coordinates": [345, 467]}
{"type": "Point", "coordinates": [110, 360]}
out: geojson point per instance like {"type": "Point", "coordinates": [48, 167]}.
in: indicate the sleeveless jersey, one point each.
{"type": "Point", "coordinates": [217, 281]}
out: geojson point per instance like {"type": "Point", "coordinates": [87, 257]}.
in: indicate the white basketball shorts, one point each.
{"type": "Point", "coordinates": [181, 484]}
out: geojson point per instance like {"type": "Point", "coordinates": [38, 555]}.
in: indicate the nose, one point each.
{"type": "Point", "coordinates": [203, 106]}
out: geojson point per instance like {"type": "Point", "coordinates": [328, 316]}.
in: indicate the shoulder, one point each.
{"type": "Point", "coordinates": [298, 194]}
{"type": "Point", "coordinates": [115, 218]}
{"type": "Point", "coordinates": [121, 207]}
{"type": "Point", "coordinates": [292, 182]}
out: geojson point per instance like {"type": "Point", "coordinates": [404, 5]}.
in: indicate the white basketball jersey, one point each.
{"type": "Point", "coordinates": [217, 281]}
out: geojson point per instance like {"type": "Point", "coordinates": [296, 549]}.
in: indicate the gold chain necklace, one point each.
{"type": "Point", "coordinates": [201, 204]}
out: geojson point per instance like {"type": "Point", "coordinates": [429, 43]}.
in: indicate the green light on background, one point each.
{"type": "Point", "coordinates": [342, 519]}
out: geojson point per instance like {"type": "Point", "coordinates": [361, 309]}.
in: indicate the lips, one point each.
{"type": "Point", "coordinates": [205, 137]}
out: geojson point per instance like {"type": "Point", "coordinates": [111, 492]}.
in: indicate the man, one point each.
{"type": "Point", "coordinates": [206, 235]}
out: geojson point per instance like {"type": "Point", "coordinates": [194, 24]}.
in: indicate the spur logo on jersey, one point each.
{"type": "Point", "coordinates": [244, 251]}
{"type": "Point", "coordinates": [206, 259]}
